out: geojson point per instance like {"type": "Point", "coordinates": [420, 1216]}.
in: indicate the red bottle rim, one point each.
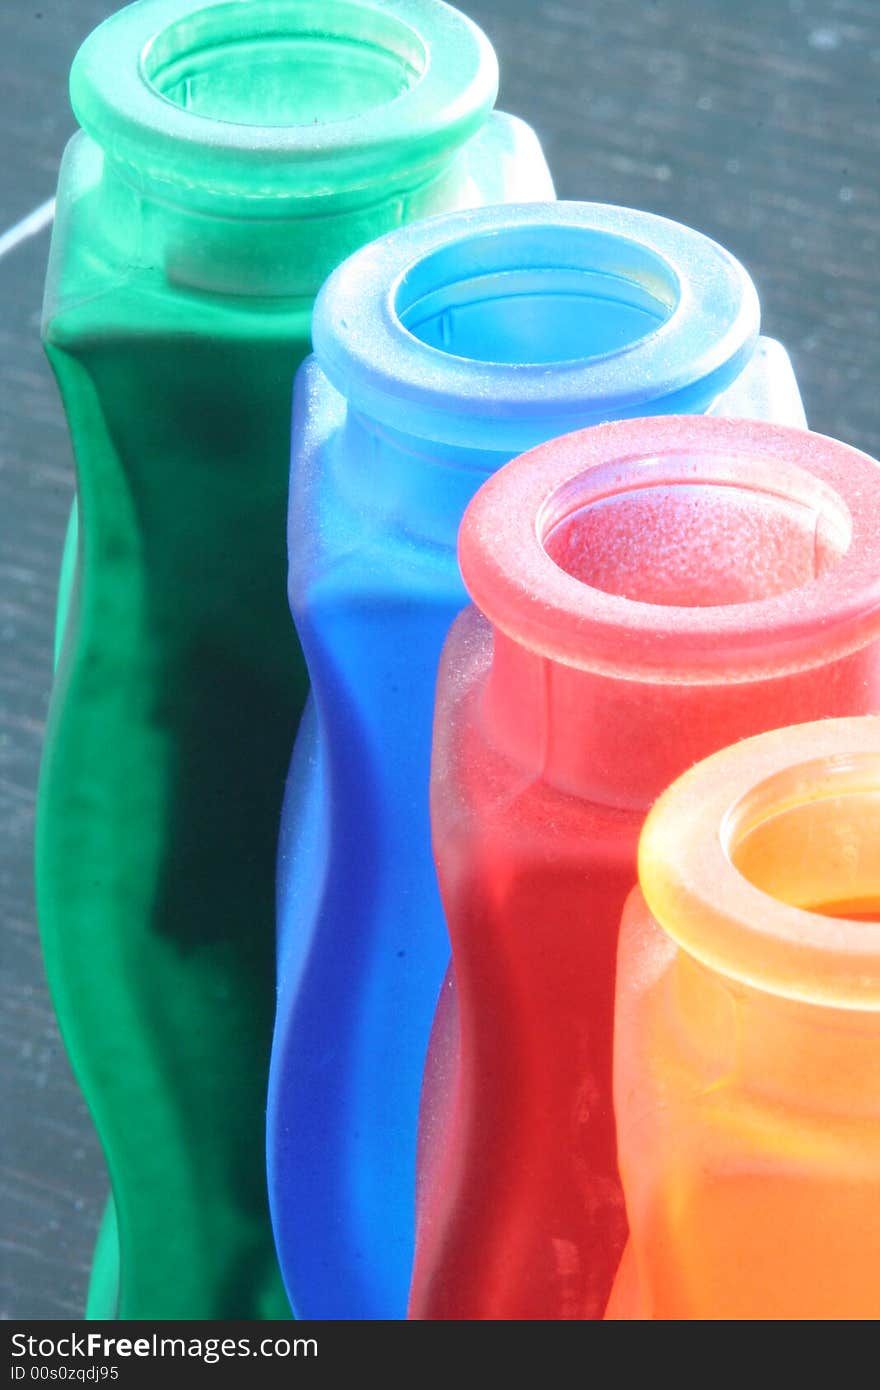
{"type": "Point", "coordinates": [513, 578]}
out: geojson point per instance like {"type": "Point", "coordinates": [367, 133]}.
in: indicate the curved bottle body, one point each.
{"type": "Point", "coordinates": [353, 995]}
{"type": "Point", "coordinates": [638, 590]}
{"type": "Point", "coordinates": [192, 235]}
{"type": "Point", "coordinates": [519, 1215]}
{"type": "Point", "coordinates": [404, 411]}
{"type": "Point", "coordinates": [747, 1049]}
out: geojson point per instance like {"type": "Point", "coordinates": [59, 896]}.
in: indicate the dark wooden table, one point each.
{"type": "Point", "coordinates": [757, 121]}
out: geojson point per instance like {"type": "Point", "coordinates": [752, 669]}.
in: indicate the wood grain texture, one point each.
{"type": "Point", "coordinates": [758, 122]}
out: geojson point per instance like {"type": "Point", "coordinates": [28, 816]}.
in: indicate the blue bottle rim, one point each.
{"type": "Point", "coordinates": [390, 375]}
{"type": "Point", "coordinates": [117, 97]}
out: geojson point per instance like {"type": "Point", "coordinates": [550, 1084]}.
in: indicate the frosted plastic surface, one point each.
{"type": "Point", "coordinates": [563, 710]}
{"type": "Point", "coordinates": [440, 351]}
{"type": "Point", "coordinates": [191, 236]}
{"type": "Point", "coordinates": [746, 1086]}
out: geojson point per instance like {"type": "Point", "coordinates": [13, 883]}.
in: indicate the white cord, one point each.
{"type": "Point", "coordinates": [28, 226]}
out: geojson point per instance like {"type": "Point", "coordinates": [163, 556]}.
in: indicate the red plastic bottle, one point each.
{"type": "Point", "coordinates": [645, 592]}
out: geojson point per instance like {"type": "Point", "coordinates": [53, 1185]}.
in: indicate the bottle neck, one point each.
{"type": "Point", "coordinates": [234, 251]}
{"type": "Point", "coordinates": [620, 742]}
{"type": "Point", "coordinates": [417, 485]}
{"type": "Point", "coordinates": [807, 1055]}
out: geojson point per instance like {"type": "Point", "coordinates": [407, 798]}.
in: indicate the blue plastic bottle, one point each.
{"type": "Point", "coordinates": [440, 351]}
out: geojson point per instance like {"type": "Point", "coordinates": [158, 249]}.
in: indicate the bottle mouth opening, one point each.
{"type": "Point", "coordinates": [495, 329]}
{"type": "Point", "coordinates": [763, 862]}
{"type": "Point", "coordinates": [250, 104]}
{"type": "Point", "coordinates": [809, 837]}
{"type": "Point", "coordinates": [572, 294]}
{"type": "Point", "coordinates": [270, 64]}
{"type": "Point", "coordinates": [686, 533]}
{"type": "Point", "coordinates": [680, 549]}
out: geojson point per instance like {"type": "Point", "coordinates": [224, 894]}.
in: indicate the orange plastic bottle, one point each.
{"type": "Point", "coordinates": [747, 1052]}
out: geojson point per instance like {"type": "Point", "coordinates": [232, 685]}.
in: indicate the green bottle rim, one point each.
{"type": "Point", "coordinates": [444, 63]}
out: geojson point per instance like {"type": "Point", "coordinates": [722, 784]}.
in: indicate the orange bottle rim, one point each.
{"type": "Point", "coordinates": [701, 899]}
{"type": "Point", "coordinates": [513, 580]}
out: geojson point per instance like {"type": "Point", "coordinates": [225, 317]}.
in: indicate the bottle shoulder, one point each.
{"type": "Point", "coordinates": [353, 520]}
{"type": "Point", "coordinates": [766, 389]}
{"type": "Point", "coordinates": [223, 270]}
{"type": "Point", "coordinates": [113, 272]}
{"type": "Point", "coordinates": [505, 162]}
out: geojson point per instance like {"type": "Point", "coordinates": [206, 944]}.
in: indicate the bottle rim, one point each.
{"type": "Point", "coordinates": [704, 300]}
{"type": "Point", "coordinates": [701, 899]}
{"type": "Point", "coordinates": [523, 591]}
{"type": "Point", "coordinates": [202, 157]}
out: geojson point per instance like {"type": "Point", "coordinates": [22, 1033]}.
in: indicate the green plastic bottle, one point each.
{"type": "Point", "coordinates": [231, 154]}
